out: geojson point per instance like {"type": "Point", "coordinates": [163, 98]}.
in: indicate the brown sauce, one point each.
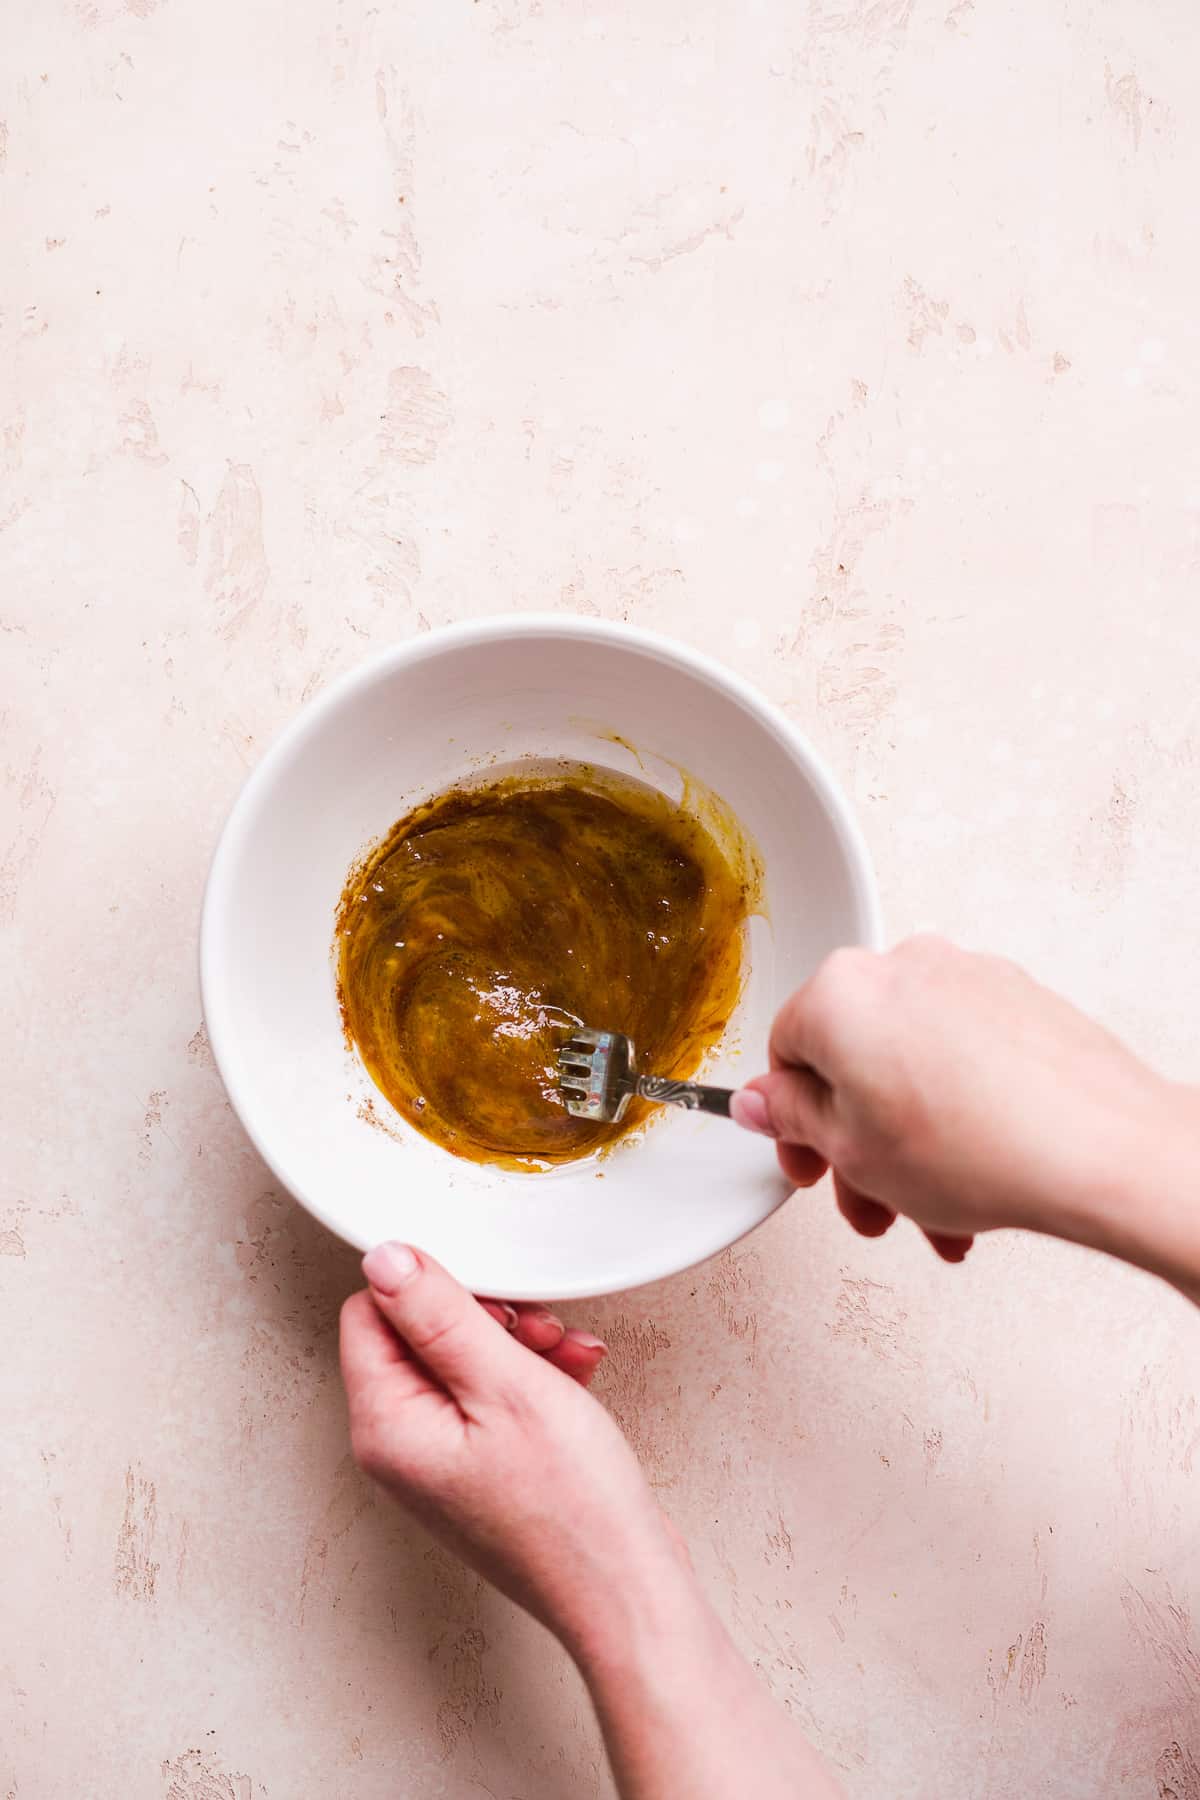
{"type": "Point", "coordinates": [492, 919]}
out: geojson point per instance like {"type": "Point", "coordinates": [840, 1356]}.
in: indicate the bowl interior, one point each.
{"type": "Point", "coordinates": [416, 721]}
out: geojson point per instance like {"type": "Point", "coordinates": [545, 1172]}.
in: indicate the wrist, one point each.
{"type": "Point", "coordinates": [651, 1618]}
{"type": "Point", "coordinates": [1145, 1207]}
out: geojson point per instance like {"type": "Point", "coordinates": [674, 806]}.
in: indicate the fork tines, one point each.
{"type": "Point", "coordinates": [581, 1068]}
{"type": "Point", "coordinates": [575, 1061]}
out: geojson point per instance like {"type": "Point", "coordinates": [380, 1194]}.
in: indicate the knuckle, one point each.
{"type": "Point", "coordinates": [925, 948]}
{"type": "Point", "coordinates": [812, 1023]}
{"type": "Point", "coordinates": [435, 1336]}
{"type": "Point", "coordinates": [790, 1012]}
{"type": "Point", "coordinates": [840, 979]}
{"type": "Point", "coordinates": [786, 1029]}
{"type": "Point", "coordinates": [847, 966]}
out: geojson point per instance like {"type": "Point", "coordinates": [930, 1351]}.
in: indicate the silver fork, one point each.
{"type": "Point", "coordinates": [597, 1076]}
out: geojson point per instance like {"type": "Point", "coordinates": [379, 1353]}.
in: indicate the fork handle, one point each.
{"type": "Point", "coordinates": [692, 1094]}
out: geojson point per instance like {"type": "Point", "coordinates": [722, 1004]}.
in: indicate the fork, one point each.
{"type": "Point", "coordinates": [597, 1076]}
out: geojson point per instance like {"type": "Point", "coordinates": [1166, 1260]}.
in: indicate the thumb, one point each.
{"type": "Point", "coordinates": [789, 1104]}
{"type": "Point", "coordinates": [442, 1324]}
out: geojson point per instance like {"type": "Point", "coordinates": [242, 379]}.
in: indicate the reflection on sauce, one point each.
{"type": "Point", "coordinates": [492, 919]}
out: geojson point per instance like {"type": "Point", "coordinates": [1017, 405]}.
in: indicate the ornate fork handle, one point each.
{"type": "Point", "coordinates": [692, 1094]}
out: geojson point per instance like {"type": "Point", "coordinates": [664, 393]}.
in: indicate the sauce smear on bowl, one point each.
{"type": "Point", "coordinates": [492, 919]}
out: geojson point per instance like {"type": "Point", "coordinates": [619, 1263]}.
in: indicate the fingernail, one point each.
{"type": "Point", "coordinates": [586, 1341]}
{"type": "Point", "coordinates": [502, 1313]}
{"type": "Point", "coordinates": [547, 1317]}
{"type": "Point", "coordinates": [749, 1109]}
{"type": "Point", "coordinates": [388, 1266]}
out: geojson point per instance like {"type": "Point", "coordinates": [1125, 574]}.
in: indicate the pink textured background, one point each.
{"type": "Point", "coordinates": [854, 341]}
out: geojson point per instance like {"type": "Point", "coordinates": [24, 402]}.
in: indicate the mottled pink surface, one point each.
{"type": "Point", "coordinates": [854, 341]}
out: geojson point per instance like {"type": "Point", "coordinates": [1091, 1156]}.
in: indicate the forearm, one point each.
{"type": "Point", "coordinates": [1145, 1205]}
{"type": "Point", "coordinates": [683, 1713]}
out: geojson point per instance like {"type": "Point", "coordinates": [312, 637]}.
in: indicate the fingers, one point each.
{"type": "Point", "coordinates": [802, 1165]}
{"type": "Point", "coordinates": [414, 1302]}
{"type": "Point", "coordinates": [789, 1104]}
{"type": "Point", "coordinates": [439, 1320]}
{"type": "Point", "coordinates": [502, 1313]}
{"type": "Point", "coordinates": [950, 1249]}
{"type": "Point", "coordinates": [871, 1219]}
{"type": "Point", "coordinates": [867, 1216]}
{"type": "Point", "coordinates": [579, 1355]}
{"type": "Point", "coordinates": [537, 1327]}
{"type": "Point", "coordinates": [531, 1323]}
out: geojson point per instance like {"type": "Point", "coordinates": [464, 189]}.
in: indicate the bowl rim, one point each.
{"type": "Point", "coordinates": [385, 663]}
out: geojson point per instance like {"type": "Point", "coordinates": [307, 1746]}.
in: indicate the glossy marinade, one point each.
{"type": "Point", "coordinates": [493, 918]}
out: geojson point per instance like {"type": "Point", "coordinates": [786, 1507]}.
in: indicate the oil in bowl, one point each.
{"type": "Point", "coordinates": [493, 918]}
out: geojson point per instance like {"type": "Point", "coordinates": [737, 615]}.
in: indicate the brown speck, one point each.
{"type": "Point", "coordinates": [135, 1571]}
{"type": "Point", "coordinates": [866, 1313]}
{"type": "Point", "coordinates": [152, 1122]}
{"type": "Point", "coordinates": [779, 1543]}
{"type": "Point", "coordinates": [198, 1775]}
{"type": "Point", "coordinates": [370, 1116]}
{"type": "Point", "coordinates": [736, 1277]}
{"type": "Point", "coordinates": [1033, 1663]}
{"type": "Point", "coordinates": [1177, 1773]}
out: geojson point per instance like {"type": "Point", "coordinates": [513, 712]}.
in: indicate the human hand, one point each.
{"type": "Point", "coordinates": [952, 1088]}
{"type": "Point", "coordinates": [577, 1353]}
{"type": "Point", "coordinates": [524, 1475]}
{"type": "Point", "coordinates": [496, 1451]}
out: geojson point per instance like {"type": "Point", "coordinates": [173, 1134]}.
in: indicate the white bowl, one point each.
{"type": "Point", "coordinates": [411, 722]}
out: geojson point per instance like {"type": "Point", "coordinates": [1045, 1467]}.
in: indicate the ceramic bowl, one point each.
{"type": "Point", "coordinates": [407, 724]}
